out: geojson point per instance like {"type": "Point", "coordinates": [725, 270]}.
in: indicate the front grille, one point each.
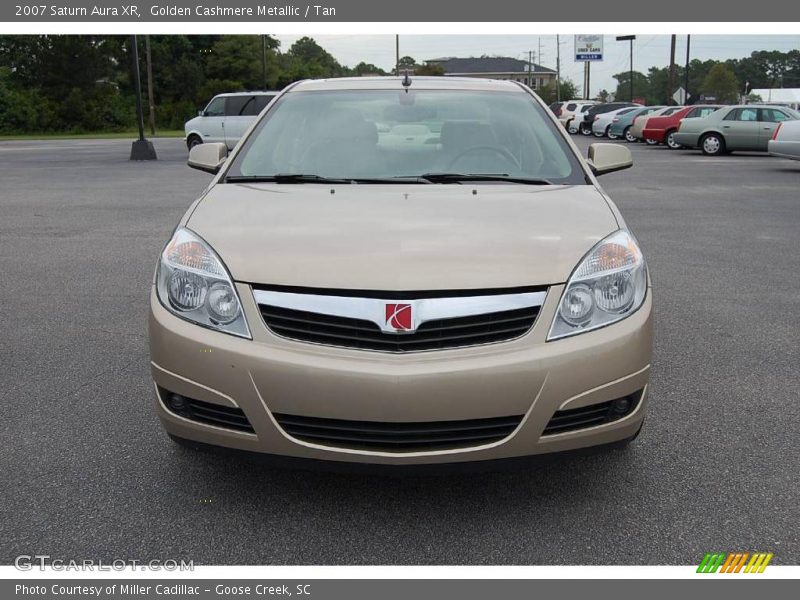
{"type": "Point", "coordinates": [228, 417]}
{"type": "Point", "coordinates": [431, 335]}
{"type": "Point", "coordinates": [592, 415]}
{"type": "Point", "coordinates": [398, 437]}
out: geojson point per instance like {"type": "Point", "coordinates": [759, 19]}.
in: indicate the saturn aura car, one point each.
{"type": "Point", "coordinates": [470, 295]}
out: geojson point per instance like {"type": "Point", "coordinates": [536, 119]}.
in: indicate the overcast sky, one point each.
{"type": "Point", "coordinates": [649, 50]}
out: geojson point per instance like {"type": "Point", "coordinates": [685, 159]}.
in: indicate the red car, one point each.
{"type": "Point", "coordinates": [661, 129]}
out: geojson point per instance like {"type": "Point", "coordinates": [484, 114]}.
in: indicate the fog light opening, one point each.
{"type": "Point", "coordinates": [622, 406]}
{"type": "Point", "coordinates": [176, 403]}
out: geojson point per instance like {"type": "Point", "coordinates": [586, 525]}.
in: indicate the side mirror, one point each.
{"type": "Point", "coordinates": [607, 158]}
{"type": "Point", "coordinates": [208, 157]}
{"type": "Point", "coordinates": [201, 113]}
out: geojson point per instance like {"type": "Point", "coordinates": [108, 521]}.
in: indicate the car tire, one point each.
{"type": "Point", "coordinates": [193, 140]}
{"type": "Point", "coordinates": [571, 127]}
{"type": "Point", "coordinates": [629, 137]}
{"type": "Point", "coordinates": [599, 135]}
{"type": "Point", "coordinates": [585, 129]}
{"type": "Point", "coordinates": [652, 142]}
{"type": "Point", "coordinates": [611, 136]}
{"type": "Point", "coordinates": [712, 144]}
{"type": "Point", "coordinates": [670, 141]}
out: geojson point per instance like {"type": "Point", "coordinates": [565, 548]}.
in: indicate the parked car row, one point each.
{"type": "Point", "coordinates": [712, 128]}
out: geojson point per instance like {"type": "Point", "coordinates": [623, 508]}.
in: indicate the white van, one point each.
{"type": "Point", "coordinates": [226, 118]}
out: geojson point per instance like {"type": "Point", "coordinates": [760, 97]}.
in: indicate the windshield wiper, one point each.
{"type": "Point", "coordinates": [306, 178]}
{"type": "Point", "coordinates": [284, 178]}
{"type": "Point", "coordinates": [460, 177]}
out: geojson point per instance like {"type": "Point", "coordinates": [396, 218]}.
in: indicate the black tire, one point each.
{"type": "Point", "coordinates": [650, 142]}
{"type": "Point", "coordinates": [712, 144]}
{"type": "Point", "coordinates": [611, 136]}
{"type": "Point", "coordinates": [629, 136]}
{"type": "Point", "coordinates": [669, 140]}
{"type": "Point", "coordinates": [193, 140]}
{"type": "Point", "coordinates": [585, 129]}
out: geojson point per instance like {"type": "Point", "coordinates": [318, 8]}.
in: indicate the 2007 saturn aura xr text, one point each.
{"type": "Point", "coordinates": [403, 271]}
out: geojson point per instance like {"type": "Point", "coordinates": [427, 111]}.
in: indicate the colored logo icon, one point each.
{"type": "Point", "coordinates": [734, 562]}
{"type": "Point", "coordinates": [398, 317]}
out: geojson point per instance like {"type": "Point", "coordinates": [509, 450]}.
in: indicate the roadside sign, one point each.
{"type": "Point", "coordinates": [588, 48]}
{"type": "Point", "coordinates": [679, 96]}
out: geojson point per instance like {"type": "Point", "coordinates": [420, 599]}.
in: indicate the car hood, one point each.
{"type": "Point", "coordinates": [402, 237]}
{"type": "Point", "coordinates": [192, 123]}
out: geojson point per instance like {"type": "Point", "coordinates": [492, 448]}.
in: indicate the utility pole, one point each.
{"type": "Point", "coordinates": [539, 53]}
{"type": "Point", "coordinates": [150, 100]}
{"type": "Point", "coordinates": [141, 149]}
{"type": "Point", "coordinates": [686, 73]}
{"type": "Point", "coordinates": [530, 59]}
{"type": "Point", "coordinates": [558, 68]}
{"type": "Point", "coordinates": [263, 61]}
{"type": "Point", "coordinates": [671, 89]}
{"type": "Point", "coordinates": [397, 54]}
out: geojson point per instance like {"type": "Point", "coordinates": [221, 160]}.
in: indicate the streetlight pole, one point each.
{"type": "Point", "coordinates": [629, 38]}
{"type": "Point", "coordinates": [150, 100]}
{"type": "Point", "coordinates": [263, 61]}
{"type": "Point", "coordinates": [141, 149]}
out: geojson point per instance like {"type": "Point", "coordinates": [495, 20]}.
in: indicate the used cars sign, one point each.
{"type": "Point", "coordinates": [588, 48]}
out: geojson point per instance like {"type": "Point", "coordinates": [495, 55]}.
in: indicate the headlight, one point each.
{"type": "Point", "coordinates": [609, 284]}
{"type": "Point", "coordinates": [193, 284]}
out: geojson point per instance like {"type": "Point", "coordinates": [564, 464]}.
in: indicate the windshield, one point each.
{"type": "Point", "coordinates": [388, 134]}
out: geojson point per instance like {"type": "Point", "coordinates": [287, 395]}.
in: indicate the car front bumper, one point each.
{"type": "Point", "coordinates": [528, 376]}
{"type": "Point", "coordinates": [617, 129]}
{"type": "Point", "coordinates": [688, 140]}
{"type": "Point", "coordinates": [784, 149]}
{"type": "Point", "coordinates": [654, 134]}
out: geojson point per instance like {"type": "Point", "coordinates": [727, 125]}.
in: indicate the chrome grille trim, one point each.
{"type": "Point", "coordinates": [423, 310]}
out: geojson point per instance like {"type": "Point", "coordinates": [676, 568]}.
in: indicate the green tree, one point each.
{"type": "Point", "coordinates": [363, 68]}
{"type": "Point", "coordinates": [432, 70]}
{"type": "Point", "coordinates": [549, 94]}
{"type": "Point", "coordinates": [313, 60]}
{"type": "Point", "coordinates": [641, 86]}
{"type": "Point", "coordinates": [721, 83]}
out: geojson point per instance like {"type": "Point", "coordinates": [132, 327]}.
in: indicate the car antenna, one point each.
{"type": "Point", "coordinates": [406, 81]}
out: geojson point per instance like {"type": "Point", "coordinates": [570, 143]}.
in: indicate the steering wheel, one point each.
{"type": "Point", "coordinates": [502, 152]}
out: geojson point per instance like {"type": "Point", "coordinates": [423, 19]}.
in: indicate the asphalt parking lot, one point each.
{"type": "Point", "coordinates": [89, 473]}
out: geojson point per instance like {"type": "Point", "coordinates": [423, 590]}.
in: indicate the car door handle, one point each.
{"type": "Point", "coordinates": [767, 128]}
{"type": "Point", "coordinates": [726, 126]}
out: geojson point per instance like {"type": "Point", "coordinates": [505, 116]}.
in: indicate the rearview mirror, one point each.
{"type": "Point", "coordinates": [607, 158]}
{"type": "Point", "coordinates": [208, 157]}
